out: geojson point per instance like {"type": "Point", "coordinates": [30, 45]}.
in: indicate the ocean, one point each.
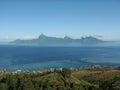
{"type": "Point", "coordinates": [25, 57]}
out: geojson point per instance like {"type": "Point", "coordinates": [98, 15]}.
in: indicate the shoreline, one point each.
{"type": "Point", "coordinates": [83, 78]}
{"type": "Point", "coordinates": [43, 70]}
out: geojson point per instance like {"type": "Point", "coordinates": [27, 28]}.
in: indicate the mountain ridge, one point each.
{"type": "Point", "coordinates": [66, 40]}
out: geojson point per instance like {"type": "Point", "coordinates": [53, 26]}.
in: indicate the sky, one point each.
{"type": "Point", "coordinates": [27, 19]}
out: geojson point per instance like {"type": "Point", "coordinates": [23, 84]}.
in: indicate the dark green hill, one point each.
{"type": "Point", "coordinates": [83, 79]}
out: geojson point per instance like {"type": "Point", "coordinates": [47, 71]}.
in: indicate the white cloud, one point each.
{"type": "Point", "coordinates": [7, 38]}
{"type": "Point", "coordinates": [26, 37]}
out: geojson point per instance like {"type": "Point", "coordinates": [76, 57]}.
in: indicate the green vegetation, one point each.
{"type": "Point", "coordinates": [65, 79]}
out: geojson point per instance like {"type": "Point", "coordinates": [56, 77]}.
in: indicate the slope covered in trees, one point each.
{"type": "Point", "coordinates": [65, 79]}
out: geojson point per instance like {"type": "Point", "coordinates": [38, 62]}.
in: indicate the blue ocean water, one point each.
{"type": "Point", "coordinates": [35, 57]}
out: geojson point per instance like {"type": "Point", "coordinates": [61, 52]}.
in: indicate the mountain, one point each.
{"type": "Point", "coordinates": [45, 40]}
{"type": "Point", "coordinates": [90, 40]}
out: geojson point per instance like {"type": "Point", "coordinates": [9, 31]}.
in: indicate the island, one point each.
{"type": "Point", "coordinates": [44, 40]}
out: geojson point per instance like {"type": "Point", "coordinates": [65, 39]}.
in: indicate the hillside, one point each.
{"type": "Point", "coordinates": [92, 78]}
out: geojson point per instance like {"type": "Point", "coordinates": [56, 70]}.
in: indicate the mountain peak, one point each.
{"type": "Point", "coordinates": [42, 36]}
{"type": "Point", "coordinates": [66, 37]}
{"type": "Point", "coordinates": [90, 38]}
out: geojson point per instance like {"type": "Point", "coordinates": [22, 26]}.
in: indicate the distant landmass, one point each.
{"type": "Point", "coordinates": [46, 40]}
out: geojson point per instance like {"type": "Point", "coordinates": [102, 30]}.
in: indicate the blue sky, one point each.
{"type": "Point", "coordinates": [27, 19]}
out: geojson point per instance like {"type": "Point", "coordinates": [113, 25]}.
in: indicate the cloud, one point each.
{"type": "Point", "coordinates": [94, 35]}
{"type": "Point", "coordinates": [26, 37]}
{"type": "Point", "coordinates": [5, 38]}
{"type": "Point", "coordinates": [99, 36]}
{"type": "Point", "coordinates": [8, 38]}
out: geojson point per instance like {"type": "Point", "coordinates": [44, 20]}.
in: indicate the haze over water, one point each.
{"type": "Point", "coordinates": [35, 57]}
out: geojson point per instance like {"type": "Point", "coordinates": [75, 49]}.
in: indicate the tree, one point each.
{"type": "Point", "coordinates": [116, 85]}
{"type": "Point", "coordinates": [66, 72]}
{"type": "Point", "coordinates": [3, 86]}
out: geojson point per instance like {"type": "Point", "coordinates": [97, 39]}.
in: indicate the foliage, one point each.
{"type": "Point", "coordinates": [61, 80]}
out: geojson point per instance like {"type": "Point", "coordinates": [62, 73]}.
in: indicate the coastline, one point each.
{"type": "Point", "coordinates": [82, 78]}
{"type": "Point", "coordinates": [43, 70]}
